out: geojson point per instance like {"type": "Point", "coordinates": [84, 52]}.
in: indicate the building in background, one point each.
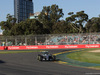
{"type": "Point", "coordinates": [22, 9]}
{"type": "Point", "coordinates": [34, 16]}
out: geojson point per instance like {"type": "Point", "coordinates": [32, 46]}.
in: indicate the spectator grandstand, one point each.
{"type": "Point", "coordinates": [53, 39]}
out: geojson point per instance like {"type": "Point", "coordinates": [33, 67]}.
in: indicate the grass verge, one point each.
{"type": "Point", "coordinates": [9, 52]}
{"type": "Point", "coordinates": [86, 56]}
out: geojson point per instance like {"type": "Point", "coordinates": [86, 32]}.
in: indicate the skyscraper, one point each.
{"type": "Point", "coordinates": [22, 9]}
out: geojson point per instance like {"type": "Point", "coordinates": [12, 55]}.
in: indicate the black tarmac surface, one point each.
{"type": "Point", "coordinates": [27, 64]}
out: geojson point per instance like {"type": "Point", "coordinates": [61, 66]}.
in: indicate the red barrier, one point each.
{"type": "Point", "coordinates": [50, 47]}
{"type": "Point", "coordinates": [1, 47]}
{"type": "Point", "coordinates": [53, 47]}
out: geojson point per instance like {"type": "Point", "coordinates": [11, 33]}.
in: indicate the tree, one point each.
{"type": "Point", "coordinates": [78, 20]}
{"type": "Point", "coordinates": [28, 27]}
{"type": "Point", "coordinates": [7, 25]}
{"type": "Point", "coordinates": [49, 16]}
{"type": "Point", "coordinates": [93, 25]}
{"type": "Point", "coordinates": [59, 28]}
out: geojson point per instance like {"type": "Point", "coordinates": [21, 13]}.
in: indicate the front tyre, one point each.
{"type": "Point", "coordinates": [40, 58]}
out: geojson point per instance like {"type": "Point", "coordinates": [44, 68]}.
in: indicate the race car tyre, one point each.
{"type": "Point", "coordinates": [49, 58]}
{"type": "Point", "coordinates": [40, 58]}
{"type": "Point", "coordinates": [54, 58]}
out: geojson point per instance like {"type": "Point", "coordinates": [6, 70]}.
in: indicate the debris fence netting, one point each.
{"type": "Point", "coordinates": [52, 39]}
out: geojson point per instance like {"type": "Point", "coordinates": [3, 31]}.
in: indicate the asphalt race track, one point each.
{"type": "Point", "coordinates": [27, 64]}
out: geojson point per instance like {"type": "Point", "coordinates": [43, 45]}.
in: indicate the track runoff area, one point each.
{"type": "Point", "coordinates": [69, 61]}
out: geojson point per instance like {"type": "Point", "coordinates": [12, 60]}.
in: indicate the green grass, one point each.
{"type": "Point", "coordinates": [86, 56]}
{"type": "Point", "coordinates": [9, 52]}
{"type": "Point", "coordinates": [95, 67]}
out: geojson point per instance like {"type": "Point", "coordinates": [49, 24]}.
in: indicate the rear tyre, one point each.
{"type": "Point", "coordinates": [54, 58]}
{"type": "Point", "coordinates": [49, 58]}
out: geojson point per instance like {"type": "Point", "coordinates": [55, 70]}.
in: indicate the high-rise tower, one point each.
{"type": "Point", "coordinates": [22, 9]}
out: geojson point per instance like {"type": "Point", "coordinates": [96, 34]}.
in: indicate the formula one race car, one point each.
{"type": "Point", "coordinates": [46, 56]}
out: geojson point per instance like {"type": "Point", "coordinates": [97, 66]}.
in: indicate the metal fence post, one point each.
{"type": "Point", "coordinates": [35, 40]}
{"type": "Point", "coordinates": [26, 40]}
{"type": "Point", "coordinates": [89, 39]}
{"type": "Point", "coordinates": [16, 41]}
{"type": "Point", "coordinates": [67, 40]}
{"type": "Point", "coordinates": [6, 42]}
{"type": "Point", "coordinates": [79, 39]}
{"type": "Point", "coordinates": [46, 41]}
{"type": "Point", "coordinates": [56, 42]}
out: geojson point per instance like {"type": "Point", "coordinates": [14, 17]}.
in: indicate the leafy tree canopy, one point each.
{"type": "Point", "coordinates": [93, 25]}
{"type": "Point", "coordinates": [78, 20]}
{"type": "Point", "coordinates": [49, 16]}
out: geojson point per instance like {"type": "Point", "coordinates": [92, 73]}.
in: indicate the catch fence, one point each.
{"type": "Point", "coordinates": [52, 39]}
